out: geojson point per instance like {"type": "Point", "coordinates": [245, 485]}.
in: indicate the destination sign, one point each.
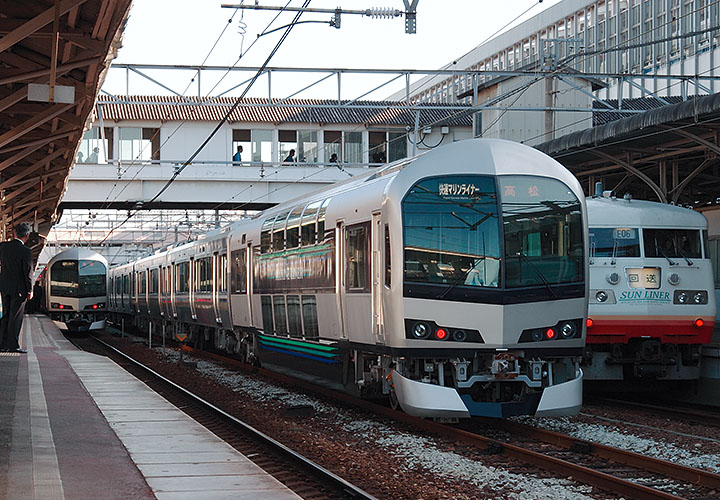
{"type": "Point", "coordinates": [448, 189]}
{"type": "Point", "coordinates": [645, 277]}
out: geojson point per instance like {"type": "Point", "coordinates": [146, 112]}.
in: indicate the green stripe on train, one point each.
{"type": "Point", "coordinates": [287, 347]}
{"type": "Point", "coordinates": [284, 340]}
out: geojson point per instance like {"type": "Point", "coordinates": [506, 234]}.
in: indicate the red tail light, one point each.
{"type": "Point", "coordinates": [699, 323]}
{"type": "Point", "coordinates": [589, 322]}
{"type": "Point", "coordinates": [441, 334]}
{"type": "Point", "coordinates": [61, 306]}
{"type": "Point", "coordinates": [94, 306]}
{"type": "Point", "coordinates": [550, 333]}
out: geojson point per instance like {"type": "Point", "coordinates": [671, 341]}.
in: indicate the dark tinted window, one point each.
{"type": "Point", "coordinates": [309, 312]}
{"type": "Point", "coordinates": [72, 278]}
{"type": "Point", "coordinates": [678, 243]}
{"type": "Point", "coordinates": [620, 242]}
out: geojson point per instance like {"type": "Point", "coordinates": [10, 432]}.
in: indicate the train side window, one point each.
{"type": "Point", "coordinates": [279, 316]}
{"type": "Point", "coordinates": [307, 231]}
{"type": "Point", "coordinates": [267, 313]}
{"type": "Point", "coordinates": [278, 240]}
{"type": "Point", "coordinates": [387, 256]}
{"type": "Point", "coordinates": [222, 273]}
{"type": "Point", "coordinates": [309, 313]}
{"type": "Point", "coordinates": [294, 316]}
{"type": "Point", "coordinates": [265, 235]}
{"type": "Point", "coordinates": [204, 268]}
{"type": "Point", "coordinates": [321, 221]}
{"type": "Point", "coordinates": [356, 241]}
{"type": "Point", "coordinates": [239, 271]}
{"type": "Point", "coordinates": [293, 227]}
{"type": "Point", "coordinates": [183, 277]}
{"type": "Point", "coordinates": [153, 281]}
{"type": "Point", "coordinates": [143, 282]}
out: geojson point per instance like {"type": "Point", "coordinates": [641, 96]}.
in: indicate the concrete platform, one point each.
{"type": "Point", "coordinates": [75, 425]}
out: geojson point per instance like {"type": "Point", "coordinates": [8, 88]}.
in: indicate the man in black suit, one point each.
{"type": "Point", "coordinates": [15, 286]}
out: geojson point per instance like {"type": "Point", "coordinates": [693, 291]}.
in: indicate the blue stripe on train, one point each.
{"type": "Point", "coordinates": [300, 355]}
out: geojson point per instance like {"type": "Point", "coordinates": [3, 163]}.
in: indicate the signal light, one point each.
{"type": "Point", "coordinates": [441, 334]}
{"type": "Point", "coordinates": [699, 323]}
{"type": "Point", "coordinates": [589, 322]}
{"type": "Point", "coordinates": [550, 334]}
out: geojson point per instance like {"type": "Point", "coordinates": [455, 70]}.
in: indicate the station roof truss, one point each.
{"type": "Point", "coordinates": [670, 153]}
{"type": "Point", "coordinates": [61, 45]}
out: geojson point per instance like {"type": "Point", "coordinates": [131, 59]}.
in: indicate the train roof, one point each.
{"type": "Point", "coordinates": [604, 211]}
{"type": "Point", "coordinates": [76, 253]}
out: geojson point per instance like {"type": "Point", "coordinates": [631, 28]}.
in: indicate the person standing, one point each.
{"type": "Point", "coordinates": [290, 157]}
{"type": "Point", "coordinates": [15, 286]}
{"type": "Point", "coordinates": [237, 157]}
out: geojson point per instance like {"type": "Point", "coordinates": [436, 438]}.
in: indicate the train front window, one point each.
{"type": "Point", "coordinates": [451, 232]}
{"type": "Point", "coordinates": [543, 232]}
{"type": "Point", "coordinates": [84, 278]}
{"type": "Point", "coordinates": [614, 242]}
{"type": "Point", "coordinates": [678, 243]}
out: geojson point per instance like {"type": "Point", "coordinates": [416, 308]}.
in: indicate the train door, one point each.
{"type": "Point", "coordinates": [376, 245]}
{"type": "Point", "coordinates": [339, 274]}
{"type": "Point", "coordinates": [217, 287]}
{"type": "Point", "coordinates": [357, 300]}
{"type": "Point", "coordinates": [173, 289]}
{"type": "Point", "coordinates": [249, 277]}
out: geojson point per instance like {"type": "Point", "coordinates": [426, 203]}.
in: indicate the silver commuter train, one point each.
{"type": "Point", "coordinates": [75, 288]}
{"type": "Point", "coordinates": [453, 282]}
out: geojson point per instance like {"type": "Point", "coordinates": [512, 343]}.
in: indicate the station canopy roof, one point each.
{"type": "Point", "coordinates": [53, 58]}
{"type": "Point", "coordinates": [276, 111]}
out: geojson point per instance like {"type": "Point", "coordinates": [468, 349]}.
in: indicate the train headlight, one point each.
{"type": "Point", "coordinates": [420, 330]}
{"type": "Point", "coordinates": [613, 278]}
{"type": "Point", "coordinates": [683, 298]}
{"type": "Point", "coordinates": [674, 279]}
{"type": "Point", "coordinates": [699, 298]}
{"type": "Point", "coordinates": [601, 296]}
{"type": "Point", "coordinates": [567, 330]}
{"type": "Point", "coordinates": [459, 335]}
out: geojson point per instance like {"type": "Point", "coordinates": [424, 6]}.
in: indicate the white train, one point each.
{"type": "Point", "coordinates": [453, 283]}
{"type": "Point", "coordinates": [652, 301]}
{"type": "Point", "coordinates": [75, 288]}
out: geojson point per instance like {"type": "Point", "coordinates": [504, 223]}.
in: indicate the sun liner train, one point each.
{"type": "Point", "coordinates": [652, 297]}
{"type": "Point", "coordinates": [453, 283]}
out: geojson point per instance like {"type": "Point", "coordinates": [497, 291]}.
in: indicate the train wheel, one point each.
{"type": "Point", "coordinates": [394, 403]}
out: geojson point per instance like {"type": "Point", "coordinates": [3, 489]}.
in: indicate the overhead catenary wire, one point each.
{"type": "Point", "coordinates": [221, 122]}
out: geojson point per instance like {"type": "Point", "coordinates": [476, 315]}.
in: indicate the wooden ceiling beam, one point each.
{"type": "Point", "coordinates": [31, 26]}
{"type": "Point", "coordinates": [33, 123]}
{"type": "Point", "coordinates": [19, 76]}
{"type": "Point", "coordinates": [33, 168]}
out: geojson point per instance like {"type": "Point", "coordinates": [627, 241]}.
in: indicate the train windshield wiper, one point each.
{"type": "Point", "coordinates": [662, 252]}
{"type": "Point", "coordinates": [538, 273]}
{"type": "Point", "coordinates": [461, 278]}
{"type": "Point", "coordinates": [687, 259]}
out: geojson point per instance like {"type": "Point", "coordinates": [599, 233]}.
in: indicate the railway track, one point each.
{"type": "Point", "coordinates": [303, 476]}
{"type": "Point", "coordinates": [689, 414]}
{"type": "Point", "coordinates": [612, 470]}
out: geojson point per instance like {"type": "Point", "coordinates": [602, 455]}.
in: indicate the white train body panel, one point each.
{"type": "Point", "coordinates": [460, 272]}
{"type": "Point", "coordinates": [643, 257]}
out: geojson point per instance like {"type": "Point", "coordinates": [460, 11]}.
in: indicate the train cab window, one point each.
{"type": "Point", "coordinates": [309, 313]}
{"type": "Point", "coordinates": [308, 223]}
{"type": "Point", "coordinates": [357, 271]}
{"type": "Point", "coordinates": [238, 271]}
{"type": "Point", "coordinates": [293, 227]}
{"type": "Point", "coordinates": [387, 256]}
{"type": "Point", "coordinates": [279, 314]}
{"type": "Point", "coordinates": [617, 242]}
{"type": "Point", "coordinates": [267, 314]}
{"type": "Point", "coordinates": [678, 243]}
{"type": "Point", "coordinates": [294, 316]}
{"type": "Point", "coordinates": [78, 278]}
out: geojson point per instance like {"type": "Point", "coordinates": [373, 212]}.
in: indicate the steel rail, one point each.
{"type": "Point", "coordinates": [317, 469]}
{"type": "Point", "coordinates": [681, 472]}
{"type": "Point", "coordinates": [552, 464]}
{"type": "Point", "coordinates": [697, 416]}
